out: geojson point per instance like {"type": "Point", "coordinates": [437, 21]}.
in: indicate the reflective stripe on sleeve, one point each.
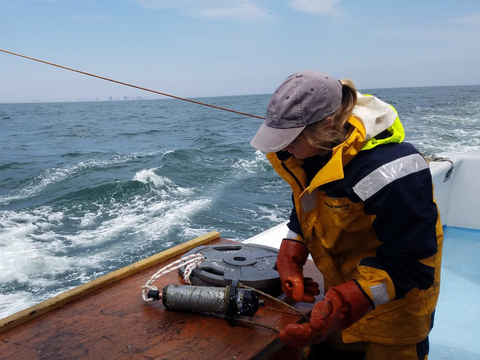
{"type": "Point", "coordinates": [386, 174]}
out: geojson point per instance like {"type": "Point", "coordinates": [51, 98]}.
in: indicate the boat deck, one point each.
{"type": "Point", "coordinates": [457, 326]}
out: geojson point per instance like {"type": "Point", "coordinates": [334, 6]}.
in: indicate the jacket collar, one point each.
{"type": "Point", "coordinates": [342, 154]}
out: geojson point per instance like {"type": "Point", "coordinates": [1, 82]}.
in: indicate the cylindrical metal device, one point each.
{"type": "Point", "coordinates": [196, 298]}
{"type": "Point", "coordinates": [231, 301]}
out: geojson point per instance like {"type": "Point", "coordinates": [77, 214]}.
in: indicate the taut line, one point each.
{"type": "Point", "coordinates": [130, 85]}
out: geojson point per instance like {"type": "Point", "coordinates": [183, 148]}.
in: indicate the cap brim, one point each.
{"type": "Point", "coordinates": [268, 139]}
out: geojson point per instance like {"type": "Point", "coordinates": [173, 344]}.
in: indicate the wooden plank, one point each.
{"type": "Point", "coordinates": [85, 289]}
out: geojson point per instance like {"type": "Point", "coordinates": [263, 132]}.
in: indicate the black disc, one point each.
{"type": "Point", "coordinates": [251, 264]}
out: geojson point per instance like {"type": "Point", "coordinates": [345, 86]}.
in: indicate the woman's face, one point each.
{"type": "Point", "coordinates": [301, 149]}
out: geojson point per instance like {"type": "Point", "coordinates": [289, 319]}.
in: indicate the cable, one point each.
{"type": "Point", "coordinates": [133, 86]}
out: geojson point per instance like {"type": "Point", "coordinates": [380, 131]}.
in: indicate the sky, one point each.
{"type": "Point", "coordinates": [203, 48]}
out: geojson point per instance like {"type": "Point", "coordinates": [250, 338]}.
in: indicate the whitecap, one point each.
{"type": "Point", "coordinates": [149, 176]}
{"type": "Point", "coordinates": [252, 166]}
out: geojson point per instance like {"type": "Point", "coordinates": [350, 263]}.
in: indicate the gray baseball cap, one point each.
{"type": "Point", "coordinates": [302, 99]}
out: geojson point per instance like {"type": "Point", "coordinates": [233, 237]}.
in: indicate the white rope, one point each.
{"type": "Point", "coordinates": [190, 262]}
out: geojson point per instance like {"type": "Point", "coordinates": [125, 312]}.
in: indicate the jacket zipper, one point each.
{"type": "Point", "coordinates": [292, 175]}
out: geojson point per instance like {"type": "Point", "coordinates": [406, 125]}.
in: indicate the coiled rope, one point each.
{"type": "Point", "coordinates": [133, 86]}
{"type": "Point", "coordinates": [190, 261]}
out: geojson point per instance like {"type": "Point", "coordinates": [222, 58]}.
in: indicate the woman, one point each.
{"type": "Point", "coordinates": [364, 209]}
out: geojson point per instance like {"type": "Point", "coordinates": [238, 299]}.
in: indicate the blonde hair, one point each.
{"type": "Point", "coordinates": [319, 133]}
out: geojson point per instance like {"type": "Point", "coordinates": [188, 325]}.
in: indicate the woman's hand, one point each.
{"type": "Point", "coordinates": [291, 258]}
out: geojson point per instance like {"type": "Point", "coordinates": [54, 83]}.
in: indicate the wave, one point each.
{"type": "Point", "coordinates": [11, 165]}
{"type": "Point", "coordinates": [49, 248]}
{"type": "Point", "coordinates": [75, 154]}
{"type": "Point", "coordinates": [50, 178]}
{"type": "Point", "coordinates": [140, 133]}
{"type": "Point", "coordinates": [260, 163]}
{"type": "Point", "coordinates": [150, 177]}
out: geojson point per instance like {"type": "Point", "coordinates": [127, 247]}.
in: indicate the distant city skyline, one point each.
{"type": "Point", "coordinates": [158, 97]}
{"type": "Point", "coordinates": [108, 98]}
{"type": "Point", "coordinates": [203, 48]}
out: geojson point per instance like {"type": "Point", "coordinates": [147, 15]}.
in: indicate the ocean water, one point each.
{"type": "Point", "coordinates": [87, 188]}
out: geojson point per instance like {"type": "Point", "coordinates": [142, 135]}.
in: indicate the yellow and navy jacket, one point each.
{"type": "Point", "coordinates": [369, 215]}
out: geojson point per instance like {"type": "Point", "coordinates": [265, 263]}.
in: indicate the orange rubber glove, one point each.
{"type": "Point", "coordinates": [343, 306]}
{"type": "Point", "coordinates": [291, 258]}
